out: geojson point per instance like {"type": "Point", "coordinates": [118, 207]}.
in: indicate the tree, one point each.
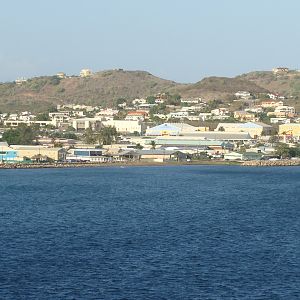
{"type": "Point", "coordinates": [151, 99]}
{"type": "Point", "coordinates": [120, 101]}
{"type": "Point", "coordinates": [153, 144]}
{"type": "Point", "coordinates": [70, 135]}
{"type": "Point", "coordinates": [273, 139]}
{"type": "Point", "coordinates": [283, 150]}
{"type": "Point", "coordinates": [174, 99]}
{"type": "Point", "coordinates": [22, 135]}
{"type": "Point", "coordinates": [263, 117]}
{"type": "Point", "coordinates": [43, 117]}
{"type": "Point", "coordinates": [294, 152]}
{"type": "Point", "coordinates": [70, 128]}
{"type": "Point", "coordinates": [54, 80]}
{"type": "Point", "coordinates": [107, 135]}
{"type": "Point", "coordinates": [138, 146]}
{"type": "Point", "coordinates": [89, 136]}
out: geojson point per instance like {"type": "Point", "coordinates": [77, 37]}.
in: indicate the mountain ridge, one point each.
{"type": "Point", "coordinates": [105, 87]}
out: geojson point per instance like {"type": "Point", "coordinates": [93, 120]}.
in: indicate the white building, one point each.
{"type": "Point", "coordinates": [60, 117]}
{"type": "Point", "coordinates": [285, 109]}
{"type": "Point", "coordinates": [243, 94]}
{"type": "Point", "coordinates": [280, 70]}
{"type": "Point", "coordinates": [85, 73]}
{"type": "Point", "coordinates": [20, 81]}
{"type": "Point", "coordinates": [280, 120]}
{"type": "Point", "coordinates": [191, 100]}
{"type": "Point", "coordinates": [139, 101]}
{"type": "Point", "coordinates": [126, 126]}
{"type": "Point", "coordinates": [16, 123]}
{"type": "Point", "coordinates": [219, 111]}
{"type": "Point", "coordinates": [178, 114]}
{"type": "Point", "coordinates": [205, 116]}
{"type": "Point", "coordinates": [161, 116]}
{"type": "Point", "coordinates": [61, 75]}
{"type": "Point", "coordinates": [87, 154]}
{"type": "Point", "coordinates": [159, 101]}
{"type": "Point", "coordinates": [108, 112]}
{"type": "Point", "coordinates": [271, 104]}
{"type": "Point", "coordinates": [85, 123]}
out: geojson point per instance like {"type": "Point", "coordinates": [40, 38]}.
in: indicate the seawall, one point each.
{"type": "Point", "coordinates": [271, 163]}
{"type": "Point", "coordinates": [111, 164]}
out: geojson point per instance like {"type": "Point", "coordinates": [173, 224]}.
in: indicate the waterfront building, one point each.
{"type": "Point", "coordinates": [153, 155]}
{"type": "Point", "coordinates": [233, 156]}
{"type": "Point", "coordinates": [87, 154]}
{"type": "Point", "coordinates": [7, 154]}
{"type": "Point", "coordinates": [24, 151]}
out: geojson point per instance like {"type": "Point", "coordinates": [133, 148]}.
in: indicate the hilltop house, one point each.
{"type": "Point", "coordinates": [243, 95]}
{"type": "Point", "coordinates": [85, 73]}
{"type": "Point", "coordinates": [280, 70]}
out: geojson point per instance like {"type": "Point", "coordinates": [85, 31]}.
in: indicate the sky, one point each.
{"type": "Point", "coordinates": [183, 41]}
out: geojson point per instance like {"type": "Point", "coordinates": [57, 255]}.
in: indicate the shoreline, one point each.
{"type": "Point", "coordinates": [254, 163]}
{"type": "Point", "coordinates": [13, 166]}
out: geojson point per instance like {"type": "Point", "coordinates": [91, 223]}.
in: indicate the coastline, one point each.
{"type": "Point", "coordinates": [253, 163]}
{"type": "Point", "coordinates": [10, 166]}
{"type": "Point", "coordinates": [272, 163]}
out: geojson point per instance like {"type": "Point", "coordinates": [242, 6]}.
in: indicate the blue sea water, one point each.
{"type": "Point", "coordinates": [188, 232]}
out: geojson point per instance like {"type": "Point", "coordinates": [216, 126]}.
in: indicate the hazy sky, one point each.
{"type": "Point", "coordinates": [180, 40]}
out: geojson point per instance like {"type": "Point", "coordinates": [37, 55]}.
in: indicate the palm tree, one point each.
{"type": "Point", "coordinates": [88, 136]}
{"type": "Point", "coordinates": [107, 135]}
{"type": "Point", "coordinates": [138, 146]}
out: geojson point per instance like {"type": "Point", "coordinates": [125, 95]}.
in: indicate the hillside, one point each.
{"type": "Point", "coordinates": [220, 87]}
{"type": "Point", "coordinates": [100, 89]}
{"type": "Point", "coordinates": [286, 84]}
{"type": "Point", "coordinates": [105, 87]}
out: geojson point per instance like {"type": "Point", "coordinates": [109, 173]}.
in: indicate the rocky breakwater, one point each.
{"type": "Point", "coordinates": [271, 163]}
{"type": "Point", "coordinates": [52, 165]}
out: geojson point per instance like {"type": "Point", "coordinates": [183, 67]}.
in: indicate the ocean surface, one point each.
{"type": "Point", "coordinates": [187, 232]}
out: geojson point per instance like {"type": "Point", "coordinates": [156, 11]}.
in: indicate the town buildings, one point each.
{"type": "Point", "coordinates": [255, 130]}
